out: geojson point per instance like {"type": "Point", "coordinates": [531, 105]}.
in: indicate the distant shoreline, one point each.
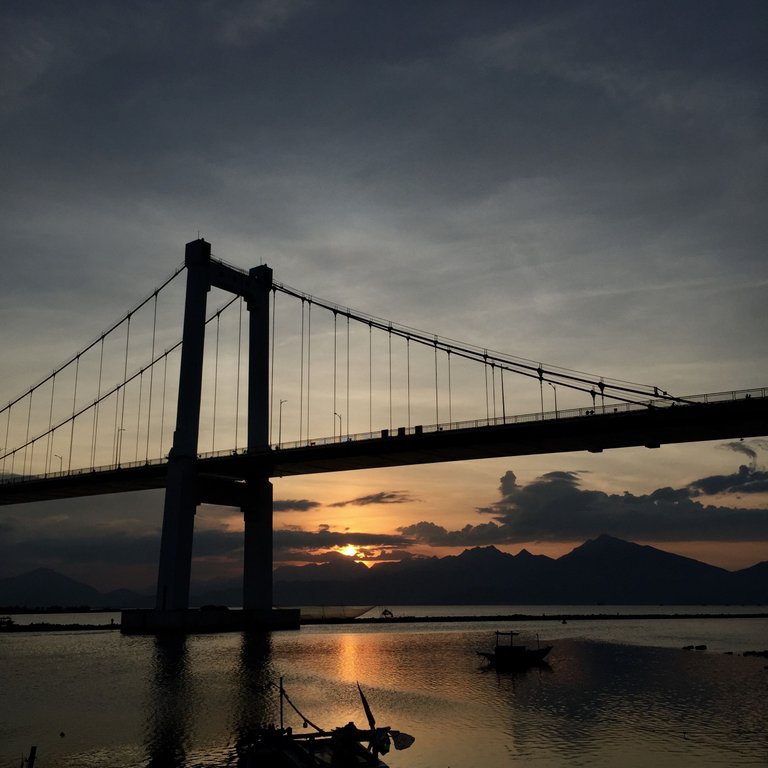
{"type": "Point", "coordinates": [46, 626]}
{"type": "Point", "coordinates": [313, 621]}
{"type": "Point", "coordinates": [530, 617]}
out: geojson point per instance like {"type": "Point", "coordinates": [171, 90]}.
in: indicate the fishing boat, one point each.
{"type": "Point", "coordinates": [281, 747]}
{"type": "Point", "coordinates": [510, 657]}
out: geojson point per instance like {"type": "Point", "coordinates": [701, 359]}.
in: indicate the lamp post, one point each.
{"type": "Point", "coordinates": [56, 456]}
{"type": "Point", "coordinates": [554, 389]}
{"type": "Point", "coordinates": [119, 446]}
{"type": "Point", "coordinates": [280, 424]}
{"type": "Point", "coordinates": [338, 415]}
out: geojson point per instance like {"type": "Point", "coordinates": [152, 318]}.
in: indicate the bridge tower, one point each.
{"type": "Point", "coordinates": [185, 488]}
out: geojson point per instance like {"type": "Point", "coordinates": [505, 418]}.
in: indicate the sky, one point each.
{"type": "Point", "coordinates": [581, 184]}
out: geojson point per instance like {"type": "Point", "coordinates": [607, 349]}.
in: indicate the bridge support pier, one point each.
{"type": "Point", "coordinates": [257, 561]}
{"type": "Point", "coordinates": [183, 491]}
{"type": "Point", "coordinates": [178, 528]}
{"type": "Point", "coordinates": [181, 485]}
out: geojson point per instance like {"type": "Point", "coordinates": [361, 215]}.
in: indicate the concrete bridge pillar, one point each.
{"type": "Point", "coordinates": [257, 560]}
{"type": "Point", "coordinates": [181, 495]}
{"type": "Point", "coordinates": [257, 510]}
{"type": "Point", "coordinates": [183, 490]}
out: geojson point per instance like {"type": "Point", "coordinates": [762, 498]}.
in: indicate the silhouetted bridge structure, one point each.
{"type": "Point", "coordinates": [95, 433]}
{"type": "Point", "coordinates": [720, 416]}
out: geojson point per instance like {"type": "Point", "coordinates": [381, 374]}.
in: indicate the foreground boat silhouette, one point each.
{"type": "Point", "coordinates": [279, 747]}
{"type": "Point", "coordinates": [508, 657]}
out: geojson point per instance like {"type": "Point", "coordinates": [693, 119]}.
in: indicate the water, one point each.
{"type": "Point", "coordinates": [618, 692]}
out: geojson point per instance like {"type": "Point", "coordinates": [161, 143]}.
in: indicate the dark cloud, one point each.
{"type": "Point", "coordinates": [554, 507]}
{"type": "Point", "coordinates": [749, 448]}
{"type": "Point", "coordinates": [303, 556]}
{"type": "Point", "coordinates": [749, 478]}
{"type": "Point", "coordinates": [325, 539]}
{"type": "Point", "coordinates": [746, 480]}
{"type": "Point", "coordinates": [382, 497]}
{"type": "Point", "coordinates": [372, 555]}
{"type": "Point", "coordinates": [294, 505]}
{"type": "Point", "coordinates": [468, 536]}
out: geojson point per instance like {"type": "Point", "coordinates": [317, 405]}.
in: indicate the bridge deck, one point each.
{"type": "Point", "coordinates": [221, 475]}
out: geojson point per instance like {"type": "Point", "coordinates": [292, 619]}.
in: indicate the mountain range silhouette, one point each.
{"type": "Point", "coordinates": [601, 570]}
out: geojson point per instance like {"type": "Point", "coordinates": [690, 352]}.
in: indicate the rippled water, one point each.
{"type": "Point", "coordinates": [136, 701]}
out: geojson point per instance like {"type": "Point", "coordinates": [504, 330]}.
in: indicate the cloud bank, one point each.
{"type": "Point", "coordinates": [555, 507]}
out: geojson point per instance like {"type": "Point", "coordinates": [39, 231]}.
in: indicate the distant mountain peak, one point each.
{"type": "Point", "coordinates": [44, 587]}
{"type": "Point", "coordinates": [605, 542]}
{"type": "Point", "coordinates": [482, 553]}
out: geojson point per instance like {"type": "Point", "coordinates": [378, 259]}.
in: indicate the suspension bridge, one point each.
{"type": "Point", "coordinates": [204, 415]}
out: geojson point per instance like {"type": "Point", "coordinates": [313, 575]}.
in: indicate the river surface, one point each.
{"type": "Point", "coordinates": [616, 692]}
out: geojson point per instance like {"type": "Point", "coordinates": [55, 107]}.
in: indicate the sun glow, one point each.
{"type": "Point", "coordinates": [350, 550]}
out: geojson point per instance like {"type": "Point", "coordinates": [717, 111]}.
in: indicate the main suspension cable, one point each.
{"type": "Point", "coordinates": [622, 391]}
{"type": "Point", "coordinates": [93, 343]}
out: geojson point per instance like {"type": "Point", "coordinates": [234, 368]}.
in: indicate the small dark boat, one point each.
{"type": "Point", "coordinates": [509, 657]}
{"type": "Point", "coordinates": [281, 747]}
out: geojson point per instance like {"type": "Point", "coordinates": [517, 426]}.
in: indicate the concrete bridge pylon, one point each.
{"type": "Point", "coordinates": [184, 487]}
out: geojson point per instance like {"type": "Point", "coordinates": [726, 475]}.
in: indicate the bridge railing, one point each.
{"type": "Point", "coordinates": [539, 416]}
{"type": "Point", "coordinates": [559, 415]}
{"type": "Point", "coordinates": [78, 472]}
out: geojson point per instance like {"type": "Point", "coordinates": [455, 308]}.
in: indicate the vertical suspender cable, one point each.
{"type": "Point", "coordinates": [151, 378]}
{"type": "Point", "coordinates": [124, 387]}
{"type": "Point", "coordinates": [74, 408]}
{"type": "Point", "coordinates": [7, 433]}
{"type": "Point", "coordinates": [541, 388]}
{"type": "Point", "coordinates": [26, 441]}
{"type": "Point", "coordinates": [334, 377]}
{"type": "Point", "coordinates": [237, 388]}
{"type": "Point", "coordinates": [138, 416]}
{"type": "Point", "coordinates": [390, 378]}
{"type": "Point", "coordinates": [272, 366]}
{"type": "Point", "coordinates": [162, 409]}
{"type": "Point", "coordinates": [450, 396]}
{"type": "Point", "coordinates": [485, 370]}
{"type": "Point", "coordinates": [347, 404]}
{"type": "Point", "coordinates": [437, 389]}
{"type": "Point", "coordinates": [98, 406]}
{"type": "Point", "coordinates": [309, 360]}
{"type": "Point", "coordinates": [215, 382]}
{"type": "Point", "coordinates": [408, 374]}
{"type": "Point", "coordinates": [116, 433]}
{"type": "Point", "coordinates": [493, 385]}
{"type": "Point", "coordinates": [370, 378]}
{"type": "Point", "coordinates": [503, 400]}
{"type": "Point", "coordinates": [301, 376]}
{"type": "Point", "coordinates": [50, 424]}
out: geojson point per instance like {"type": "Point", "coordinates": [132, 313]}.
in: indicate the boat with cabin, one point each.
{"type": "Point", "coordinates": [509, 657]}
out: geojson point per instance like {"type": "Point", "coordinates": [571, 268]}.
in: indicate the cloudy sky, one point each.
{"type": "Point", "coordinates": [580, 184]}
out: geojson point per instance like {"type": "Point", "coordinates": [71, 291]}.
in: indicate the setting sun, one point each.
{"type": "Point", "coordinates": [350, 550]}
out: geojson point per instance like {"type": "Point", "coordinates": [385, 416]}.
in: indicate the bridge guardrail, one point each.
{"type": "Point", "coordinates": [560, 414]}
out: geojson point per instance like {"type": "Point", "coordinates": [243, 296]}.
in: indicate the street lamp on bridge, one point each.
{"type": "Point", "coordinates": [338, 416]}
{"type": "Point", "coordinates": [554, 389]}
{"type": "Point", "coordinates": [280, 423]}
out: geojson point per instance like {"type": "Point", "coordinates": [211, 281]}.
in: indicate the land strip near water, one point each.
{"type": "Point", "coordinates": [469, 618]}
